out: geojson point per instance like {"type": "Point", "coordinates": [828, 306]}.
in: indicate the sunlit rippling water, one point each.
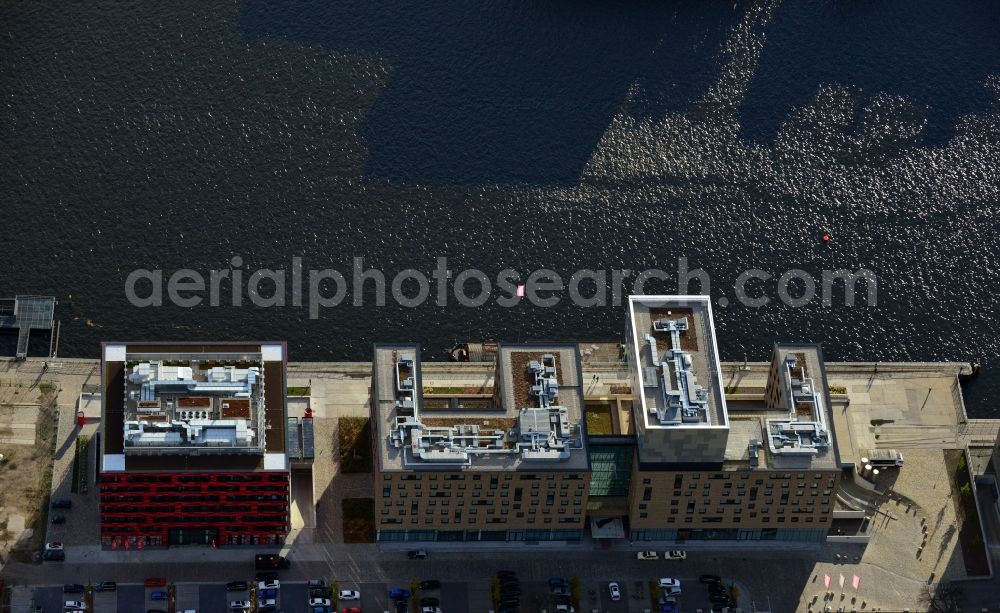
{"type": "Point", "coordinates": [509, 134]}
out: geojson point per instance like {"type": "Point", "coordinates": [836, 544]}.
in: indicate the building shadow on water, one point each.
{"type": "Point", "coordinates": [507, 91]}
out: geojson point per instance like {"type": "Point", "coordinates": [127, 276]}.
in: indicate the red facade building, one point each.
{"type": "Point", "coordinates": [193, 445]}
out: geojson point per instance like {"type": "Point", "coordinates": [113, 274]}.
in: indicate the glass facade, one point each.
{"type": "Point", "coordinates": [731, 534]}
{"type": "Point", "coordinates": [611, 469]}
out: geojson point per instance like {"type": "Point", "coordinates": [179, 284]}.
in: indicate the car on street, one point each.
{"type": "Point", "coordinates": [349, 595]}
{"type": "Point", "coordinates": [61, 503]}
{"type": "Point", "coordinates": [647, 555]}
{"type": "Point", "coordinates": [58, 519]}
{"type": "Point", "coordinates": [106, 586]}
{"type": "Point", "coordinates": [75, 605]}
{"type": "Point", "coordinates": [271, 593]}
{"type": "Point", "coordinates": [351, 610]}
{"type": "Point", "coordinates": [430, 610]}
{"type": "Point", "coordinates": [676, 554]}
{"type": "Point", "coordinates": [268, 585]}
{"type": "Point", "coordinates": [73, 588]}
{"type": "Point", "coordinates": [509, 591]}
{"type": "Point", "coordinates": [564, 608]}
{"type": "Point", "coordinates": [396, 592]}
{"type": "Point", "coordinates": [319, 602]}
{"type": "Point", "coordinates": [430, 584]}
{"type": "Point", "coordinates": [239, 605]}
{"type": "Point", "coordinates": [267, 602]}
{"type": "Point", "coordinates": [54, 545]}
{"type": "Point", "coordinates": [668, 583]}
{"type": "Point", "coordinates": [237, 586]}
{"type": "Point", "coordinates": [562, 590]}
{"type": "Point", "coordinates": [558, 582]}
{"type": "Point", "coordinates": [615, 590]}
{"type": "Point", "coordinates": [430, 601]}
{"type": "Point", "coordinates": [158, 595]}
{"type": "Point", "coordinates": [155, 582]}
{"type": "Point", "coordinates": [710, 579]}
{"type": "Point", "coordinates": [506, 573]}
{"type": "Point", "coordinates": [54, 555]}
{"type": "Point", "coordinates": [416, 554]}
{"type": "Point", "coordinates": [316, 583]}
{"type": "Point", "coordinates": [319, 592]}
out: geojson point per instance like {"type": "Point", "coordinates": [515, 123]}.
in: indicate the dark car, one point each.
{"type": "Point", "coordinates": [416, 554]}
{"type": "Point", "coordinates": [54, 555]}
{"type": "Point", "coordinates": [62, 503]}
{"type": "Point", "coordinates": [506, 573]}
{"type": "Point", "coordinates": [558, 582]}
{"type": "Point", "coordinates": [266, 576]}
{"type": "Point", "coordinates": [512, 591]}
{"type": "Point", "coordinates": [106, 586]}
{"type": "Point", "coordinates": [155, 582]}
{"type": "Point", "coordinates": [236, 586]}
{"type": "Point", "coordinates": [319, 592]}
{"type": "Point", "coordinates": [710, 579]}
{"type": "Point", "coordinates": [430, 584]}
{"type": "Point", "coordinates": [58, 519]}
{"type": "Point", "coordinates": [430, 601]}
{"type": "Point", "coordinates": [72, 588]}
{"type": "Point", "coordinates": [509, 602]}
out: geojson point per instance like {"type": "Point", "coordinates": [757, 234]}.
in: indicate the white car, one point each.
{"type": "Point", "coordinates": [268, 585]}
{"type": "Point", "coordinates": [53, 546]}
{"type": "Point", "coordinates": [677, 554]}
{"type": "Point", "coordinates": [671, 587]}
{"type": "Point", "coordinates": [562, 608]}
{"type": "Point", "coordinates": [615, 590]}
{"type": "Point", "coordinates": [267, 602]}
{"type": "Point", "coordinates": [349, 595]}
{"type": "Point", "coordinates": [647, 555]}
{"type": "Point", "coordinates": [319, 602]}
{"type": "Point", "coordinates": [430, 610]}
{"type": "Point", "coordinates": [74, 605]}
{"type": "Point", "coordinates": [239, 605]}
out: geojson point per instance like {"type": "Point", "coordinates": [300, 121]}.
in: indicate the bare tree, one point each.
{"type": "Point", "coordinates": [943, 598]}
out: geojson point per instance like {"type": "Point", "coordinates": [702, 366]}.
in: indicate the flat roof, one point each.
{"type": "Point", "coordinates": [511, 431]}
{"type": "Point", "coordinates": [750, 421]}
{"type": "Point", "coordinates": [171, 406]}
{"type": "Point", "coordinates": [680, 386]}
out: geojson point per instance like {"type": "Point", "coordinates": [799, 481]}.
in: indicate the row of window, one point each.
{"type": "Point", "coordinates": [479, 477]}
{"type": "Point", "coordinates": [389, 521]}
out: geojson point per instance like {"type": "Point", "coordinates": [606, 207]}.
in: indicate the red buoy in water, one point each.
{"type": "Point", "coordinates": [826, 237]}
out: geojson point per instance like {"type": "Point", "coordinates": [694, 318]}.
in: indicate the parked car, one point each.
{"type": "Point", "coordinates": [615, 590]}
{"type": "Point", "coordinates": [676, 554]}
{"type": "Point", "coordinates": [564, 608]}
{"type": "Point", "coordinates": [319, 602]}
{"type": "Point", "coordinates": [396, 592]}
{"type": "Point", "coordinates": [430, 584]}
{"type": "Point", "coordinates": [268, 585]}
{"type": "Point", "coordinates": [558, 582]}
{"type": "Point", "coordinates": [562, 590]}
{"type": "Point", "coordinates": [271, 593]}
{"type": "Point", "coordinates": [267, 602]}
{"type": "Point", "coordinates": [237, 586]}
{"type": "Point", "coordinates": [54, 555]}
{"type": "Point", "coordinates": [158, 595]}
{"type": "Point", "coordinates": [54, 545]}
{"type": "Point", "coordinates": [73, 588]}
{"type": "Point", "coordinates": [352, 610]}
{"type": "Point", "coordinates": [416, 554]}
{"type": "Point", "coordinates": [316, 583]}
{"type": "Point", "coordinates": [710, 579]}
{"type": "Point", "coordinates": [75, 605]}
{"type": "Point", "coordinates": [430, 610]}
{"type": "Point", "coordinates": [430, 601]}
{"type": "Point", "coordinates": [155, 582]}
{"type": "Point", "coordinates": [510, 591]}
{"type": "Point", "coordinates": [239, 605]}
{"type": "Point", "coordinates": [61, 503]}
{"type": "Point", "coordinates": [106, 586]}
{"type": "Point", "coordinates": [506, 573]}
{"type": "Point", "coordinates": [319, 592]}
{"type": "Point", "coordinates": [647, 555]}
{"type": "Point", "coordinates": [58, 519]}
{"type": "Point", "coordinates": [668, 583]}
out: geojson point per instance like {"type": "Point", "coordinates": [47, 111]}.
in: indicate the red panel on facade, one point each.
{"type": "Point", "coordinates": [219, 508]}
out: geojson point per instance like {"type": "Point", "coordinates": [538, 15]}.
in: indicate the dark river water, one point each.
{"type": "Point", "coordinates": [522, 135]}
